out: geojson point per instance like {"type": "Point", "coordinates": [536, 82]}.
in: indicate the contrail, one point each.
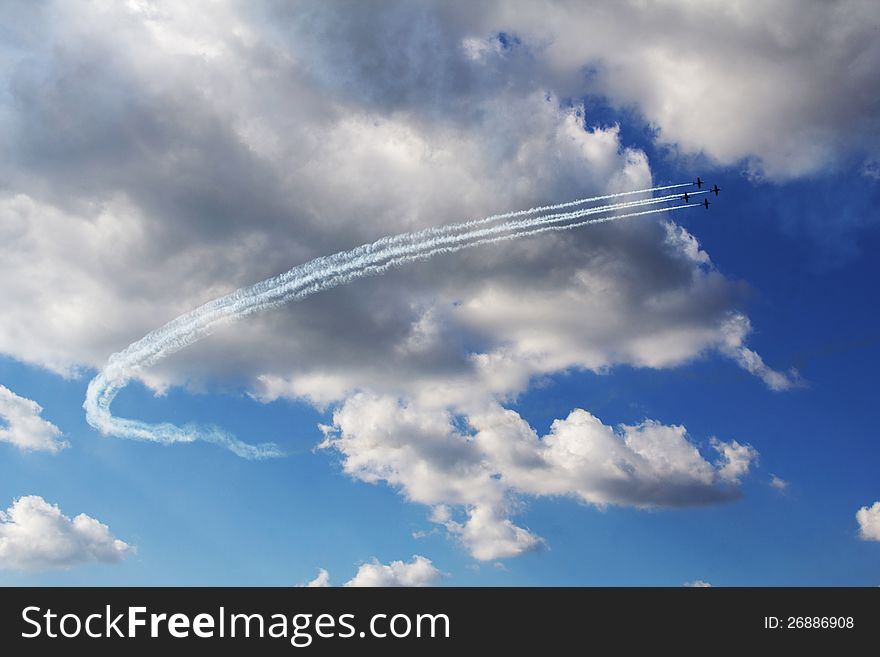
{"type": "Point", "coordinates": [186, 328]}
{"type": "Point", "coordinates": [520, 213]}
{"type": "Point", "coordinates": [315, 276]}
{"type": "Point", "coordinates": [288, 283]}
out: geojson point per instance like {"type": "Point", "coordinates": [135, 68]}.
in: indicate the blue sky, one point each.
{"type": "Point", "coordinates": [175, 185]}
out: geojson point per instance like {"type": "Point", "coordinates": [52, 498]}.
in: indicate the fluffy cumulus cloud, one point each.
{"type": "Point", "coordinates": [419, 571]}
{"type": "Point", "coordinates": [868, 518]}
{"type": "Point", "coordinates": [157, 156]}
{"type": "Point", "coordinates": [471, 471]}
{"type": "Point", "coordinates": [322, 580]}
{"type": "Point", "coordinates": [698, 584]}
{"type": "Point", "coordinates": [35, 535]}
{"type": "Point", "coordinates": [806, 70]}
{"type": "Point", "coordinates": [22, 426]}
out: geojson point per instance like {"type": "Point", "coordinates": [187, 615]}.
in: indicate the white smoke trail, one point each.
{"type": "Point", "coordinates": [189, 327]}
{"type": "Point", "coordinates": [179, 333]}
{"type": "Point", "coordinates": [315, 276]}
{"type": "Point", "coordinates": [520, 213]}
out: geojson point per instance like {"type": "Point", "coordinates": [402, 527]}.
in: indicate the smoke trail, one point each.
{"type": "Point", "coordinates": [435, 230]}
{"type": "Point", "coordinates": [280, 289]}
{"type": "Point", "coordinates": [315, 276]}
{"type": "Point", "coordinates": [179, 333]}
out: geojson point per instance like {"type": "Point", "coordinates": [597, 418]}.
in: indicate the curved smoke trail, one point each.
{"type": "Point", "coordinates": [316, 276]}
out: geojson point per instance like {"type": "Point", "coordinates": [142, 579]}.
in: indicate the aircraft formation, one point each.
{"type": "Point", "coordinates": [699, 183]}
{"type": "Point", "coordinates": [326, 272]}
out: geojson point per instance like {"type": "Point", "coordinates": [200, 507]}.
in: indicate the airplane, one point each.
{"type": "Point", "coordinates": [715, 189]}
{"type": "Point", "coordinates": [698, 183]}
{"type": "Point", "coordinates": [705, 203]}
{"type": "Point", "coordinates": [686, 197]}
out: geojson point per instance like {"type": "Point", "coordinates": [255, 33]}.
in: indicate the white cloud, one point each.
{"type": "Point", "coordinates": [868, 518]}
{"type": "Point", "coordinates": [22, 426]}
{"type": "Point", "coordinates": [472, 477]}
{"type": "Point", "coordinates": [417, 572]}
{"type": "Point", "coordinates": [420, 571]}
{"type": "Point", "coordinates": [321, 581]}
{"type": "Point", "coordinates": [735, 459]}
{"type": "Point", "coordinates": [488, 535]}
{"type": "Point", "coordinates": [781, 85]}
{"type": "Point", "coordinates": [698, 584]}
{"type": "Point", "coordinates": [778, 483]}
{"type": "Point", "coordinates": [752, 362]}
{"type": "Point", "coordinates": [35, 535]}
